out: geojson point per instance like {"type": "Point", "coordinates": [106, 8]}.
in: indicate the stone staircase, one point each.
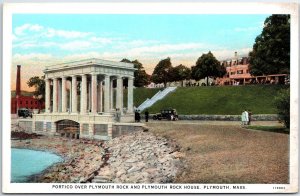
{"type": "Point", "coordinates": [158, 96]}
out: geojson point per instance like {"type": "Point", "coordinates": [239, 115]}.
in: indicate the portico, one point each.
{"type": "Point", "coordinates": [85, 92]}
{"type": "Point", "coordinates": [92, 81]}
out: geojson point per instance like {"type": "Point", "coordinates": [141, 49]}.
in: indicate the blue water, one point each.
{"type": "Point", "coordinates": [25, 163]}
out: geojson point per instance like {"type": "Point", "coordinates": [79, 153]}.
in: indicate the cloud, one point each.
{"type": "Point", "coordinates": [101, 40]}
{"type": "Point", "coordinates": [21, 30]}
{"type": "Point", "coordinates": [50, 32]}
{"type": "Point", "coordinates": [34, 36]}
{"type": "Point", "coordinates": [75, 45]}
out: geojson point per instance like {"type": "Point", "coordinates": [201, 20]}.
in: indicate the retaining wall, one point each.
{"type": "Point", "coordinates": [257, 117]}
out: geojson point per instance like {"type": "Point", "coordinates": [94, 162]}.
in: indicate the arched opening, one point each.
{"type": "Point", "coordinates": [68, 128]}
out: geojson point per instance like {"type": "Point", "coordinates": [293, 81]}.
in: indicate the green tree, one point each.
{"type": "Point", "coordinates": [141, 78]}
{"type": "Point", "coordinates": [39, 84]}
{"type": "Point", "coordinates": [180, 73]}
{"type": "Point", "coordinates": [207, 66]}
{"type": "Point", "coordinates": [271, 50]}
{"type": "Point", "coordinates": [282, 101]}
{"type": "Point", "coordinates": [162, 72]}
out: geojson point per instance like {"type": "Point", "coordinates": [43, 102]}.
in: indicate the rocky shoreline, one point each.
{"type": "Point", "coordinates": [139, 157]}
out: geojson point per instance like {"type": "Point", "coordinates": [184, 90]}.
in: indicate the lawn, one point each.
{"type": "Point", "coordinates": [228, 153]}
{"type": "Point", "coordinates": [221, 100]}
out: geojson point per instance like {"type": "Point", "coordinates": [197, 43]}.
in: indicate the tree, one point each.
{"type": "Point", "coordinates": [282, 102]}
{"type": "Point", "coordinates": [39, 84]}
{"type": "Point", "coordinates": [207, 66]}
{"type": "Point", "coordinates": [180, 73]}
{"type": "Point", "coordinates": [271, 50]}
{"type": "Point", "coordinates": [162, 72]}
{"type": "Point", "coordinates": [141, 78]}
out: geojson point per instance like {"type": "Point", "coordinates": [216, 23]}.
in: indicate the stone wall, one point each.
{"type": "Point", "coordinates": [26, 125]}
{"type": "Point", "coordinates": [257, 117]}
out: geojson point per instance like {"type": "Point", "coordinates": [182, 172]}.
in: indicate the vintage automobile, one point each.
{"type": "Point", "coordinates": [24, 112]}
{"type": "Point", "coordinates": [169, 114]}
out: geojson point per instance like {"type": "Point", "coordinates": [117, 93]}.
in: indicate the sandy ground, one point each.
{"type": "Point", "coordinates": [224, 152]}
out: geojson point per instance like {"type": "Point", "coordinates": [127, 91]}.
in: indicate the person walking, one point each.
{"type": "Point", "coordinates": [249, 115]}
{"type": "Point", "coordinates": [118, 115]}
{"type": "Point", "coordinates": [146, 115]}
{"type": "Point", "coordinates": [244, 118]}
{"type": "Point", "coordinates": [136, 116]}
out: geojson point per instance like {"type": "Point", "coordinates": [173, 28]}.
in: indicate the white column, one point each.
{"type": "Point", "coordinates": [130, 95]}
{"type": "Point", "coordinates": [119, 100]}
{"type": "Point", "coordinates": [58, 95]}
{"type": "Point", "coordinates": [47, 96]}
{"type": "Point", "coordinates": [89, 103]}
{"type": "Point", "coordinates": [106, 93]}
{"type": "Point", "coordinates": [55, 95]}
{"type": "Point", "coordinates": [74, 94]}
{"type": "Point", "coordinates": [94, 93]}
{"type": "Point", "coordinates": [63, 94]}
{"type": "Point", "coordinates": [111, 94]}
{"type": "Point", "coordinates": [100, 107]}
{"type": "Point", "coordinates": [70, 96]}
{"type": "Point", "coordinates": [83, 95]}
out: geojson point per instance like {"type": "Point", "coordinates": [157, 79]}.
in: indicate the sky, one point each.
{"type": "Point", "coordinates": [40, 40]}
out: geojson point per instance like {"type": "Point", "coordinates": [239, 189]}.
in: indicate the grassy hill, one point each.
{"type": "Point", "coordinates": [218, 99]}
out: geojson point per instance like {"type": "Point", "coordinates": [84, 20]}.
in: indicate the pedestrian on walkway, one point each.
{"type": "Point", "coordinates": [249, 117]}
{"type": "Point", "coordinates": [244, 118]}
{"type": "Point", "coordinates": [146, 115]}
{"type": "Point", "coordinates": [118, 115]}
{"type": "Point", "coordinates": [136, 116]}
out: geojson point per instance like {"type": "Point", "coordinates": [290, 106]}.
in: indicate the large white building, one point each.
{"type": "Point", "coordinates": [80, 100]}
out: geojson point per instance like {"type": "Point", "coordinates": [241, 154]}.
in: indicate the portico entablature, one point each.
{"type": "Point", "coordinates": [95, 66]}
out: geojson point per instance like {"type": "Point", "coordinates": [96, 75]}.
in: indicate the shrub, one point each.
{"type": "Point", "coordinates": [282, 101]}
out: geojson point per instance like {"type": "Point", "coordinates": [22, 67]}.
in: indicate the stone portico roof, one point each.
{"type": "Point", "coordinates": [89, 62]}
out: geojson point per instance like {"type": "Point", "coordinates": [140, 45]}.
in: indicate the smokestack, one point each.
{"type": "Point", "coordinates": [18, 84]}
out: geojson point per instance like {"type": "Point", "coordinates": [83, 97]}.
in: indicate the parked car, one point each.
{"type": "Point", "coordinates": [169, 114]}
{"type": "Point", "coordinates": [24, 112]}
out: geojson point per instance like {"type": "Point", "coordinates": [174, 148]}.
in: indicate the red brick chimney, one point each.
{"type": "Point", "coordinates": [18, 84]}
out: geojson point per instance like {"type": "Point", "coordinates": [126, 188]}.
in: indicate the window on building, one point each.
{"type": "Point", "coordinates": [240, 72]}
{"type": "Point", "coordinates": [247, 71]}
{"type": "Point", "coordinates": [232, 73]}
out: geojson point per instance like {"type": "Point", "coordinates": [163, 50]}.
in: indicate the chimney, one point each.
{"type": "Point", "coordinates": [18, 84]}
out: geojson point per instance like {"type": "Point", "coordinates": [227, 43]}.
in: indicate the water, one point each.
{"type": "Point", "coordinates": [25, 163]}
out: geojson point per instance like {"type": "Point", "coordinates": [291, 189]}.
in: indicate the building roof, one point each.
{"type": "Point", "coordinates": [91, 61]}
